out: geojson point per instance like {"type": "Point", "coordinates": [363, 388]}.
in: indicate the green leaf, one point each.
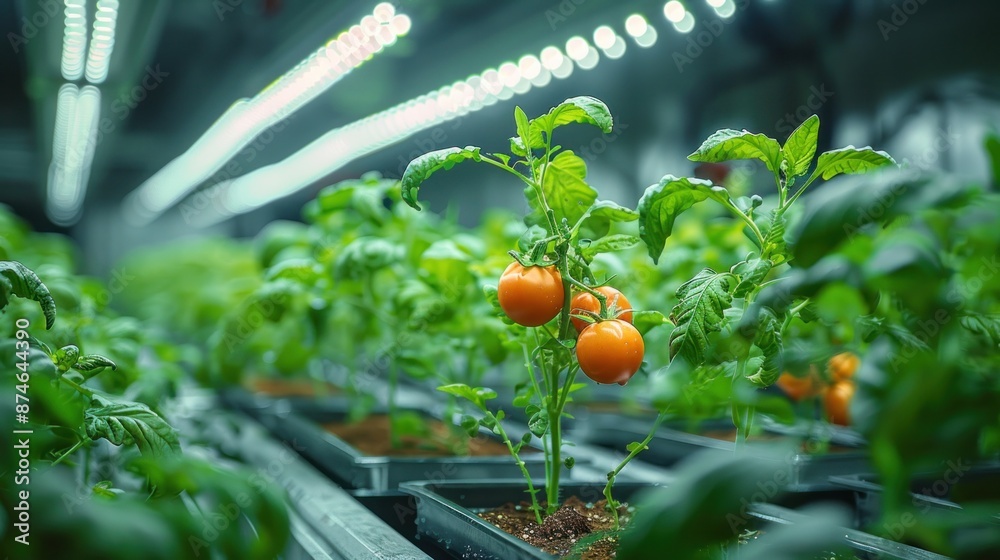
{"type": "Point", "coordinates": [17, 279]}
{"type": "Point", "coordinates": [646, 320]}
{"type": "Point", "coordinates": [849, 161]}
{"type": "Point", "coordinates": [768, 339]}
{"type": "Point", "coordinates": [539, 423]}
{"type": "Point", "coordinates": [983, 325]}
{"type": "Point", "coordinates": [700, 311]}
{"type": "Point", "coordinates": [523, 399]}
{"type": "Point", "coordinates": [66, 357]}
{"type": "Point", "coordinates": [751, 273]}
{"type": "Point", "coordinates": [800, 148]}
{"type": "Point", "coordinates": [583, 109]}
{"type": "Point", "coordinates": [426, 165]}
{"type": "Point", "coordinates": [992, 144]}
{"type": "Point", "coordinates": [492, 297]}
{"type": "Point", "coordinates": [128, 423]}
{"type": "Point", "coordinates": [470, 425]}
{"type": "Point", "coordinates": [635, 445]}
{"type": "Point", "coordinates": [93, 363]}
{"type": "Point", "coordinates": [521, 120]}
{"type": "Point", "coordinates": [475, 395]}
{"type": "Point", "coordinates": [516, 147]}
{"type": "Point", "coordinates": [663, 202]}
{"type": "Point", "coordinates": [565, 189]}
{"type": "Point", "coordinates": [610, 244]}
{"type": "Point", "coordinates": [569, 462]}
{"type": "Point", "coordinates": [365, 255]}
{"type": "Point", "coordinates": [596, 222]}
{"type": "Point", "coordinates": [303, 271]}
{"type": "Point", "coordinates": [729, 144]}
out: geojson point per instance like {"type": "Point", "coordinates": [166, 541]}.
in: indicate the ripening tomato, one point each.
{"type": "Point", "coordinates": [843, 365]}
{"type": "Point", "coordinates": [531, 296]}
{"type": "Point", "coordinates": [798, 388]}
{"type": "Point", "coordinates": [838, 402]}
{"type": "Point", "coordinates": [585, 301]}
{"type": "Point", "coordinates": [610, 351]}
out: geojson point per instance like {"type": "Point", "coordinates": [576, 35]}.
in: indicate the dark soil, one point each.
{"type": "Point", "coordinates": [559, 532]}
{"type": "Point", "coordinates": [371, 436]}
{"type": "Point", "coordinates": [290, 387]}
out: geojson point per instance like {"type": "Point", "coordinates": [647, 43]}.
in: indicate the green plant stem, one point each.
{"type": "Point", "coordinates": [603, 299]}
{"type": "Point", "coordinates": [71, 451]}
{"type": "Point", "coordinates": [520, 464]}
{"type": "Point", "coordinates": [86, 466]}
{"type": "Point", "coordinates": [793, 313]}
{"type": "Point", "coordinates": [81, 389]}
{"type": "Point", "coordinates": [746, 219]}
{"type": "Point", "coordinates": [612, 504]}
{"type": "Point", "coordinates": [799, 192]}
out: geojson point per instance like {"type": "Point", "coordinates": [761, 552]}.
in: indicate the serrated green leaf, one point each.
{"type": "Point", "coordinates": [610, 244]}
{"type": "Point", "coordinates": [663, 202]}
{"type": "Point", "coordinates": [565, 189]}
{"type": "Point", "coordinates": [849, 161]}
{"type": "Point", "coordinates": [596, 223]}
{"type": "Point", "coordinates": [768, 339]}
{"type": "Point", "coordinates": [729, 144]}
{"type": "Point", "coordinates": [751, 273]}
{"type": "Point", "coordinates": [700, 311]}
{"type": "Point", "coordinates": [983, 325]}
{"type": "Point", "coordinates": [426, 165]}
{"type": "Point", "coordinates": [128, 423]}
{"type": "Point", "coordinates": [583, 109]}
{"type": "Point", "coordinates": [19, 280]}
{"type": "Point", "coordinates": [800, 148]}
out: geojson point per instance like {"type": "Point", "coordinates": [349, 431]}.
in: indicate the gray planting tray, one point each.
{"type": "Point", "coordinates": [804, 472]}
{"type": "Point", "coordinates": [352, 469]}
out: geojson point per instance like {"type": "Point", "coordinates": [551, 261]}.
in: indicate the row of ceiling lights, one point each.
{"type": "Point", "coordinates": [78, 108]}
{"type": "Point", "coordinates": [340, 146]}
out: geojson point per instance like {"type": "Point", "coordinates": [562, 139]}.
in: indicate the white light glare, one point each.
{"type": "Point", "coordinates": [530, 66]}
{"type": "Point", "coordinates": [552, 58]}
{"type": "Point", "coordinates": [248, 118]}
{"type": "Point", "coordinates": [686, 24]}
{"type": "Point", "coordinates": [604, 37]}
{"type": "Point", "coordinates": [577, 48]}
{"type": "Point", "coordinates": [674, 11]}
{"type": "Point", "coordinates": [716, 3]}
{"type": "Point", "coordinates": [636, 25]}
{"type": "Point", "coordinates": [74, 141]}
{"type": "Point", "coordinates": [725, 8]}
{"type": "Point", "coordinates": [74, 40]}
{"type": "Point", "coordinates": [102, 42]}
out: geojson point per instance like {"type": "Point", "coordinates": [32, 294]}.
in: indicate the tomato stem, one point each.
{"type": "Point", "coordinates": [71, 451]}
{"type": "Point", "coordinates": [612, 503]}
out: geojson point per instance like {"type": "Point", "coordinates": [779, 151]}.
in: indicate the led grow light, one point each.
{"type": "Point", "coordinates": [74, 140]}
{"type": "Point", "coordinates": [723, 8]}
{"type": "Point", "coordinates": [74, 48]}
{"type": "Point", "coordinates": [247, 118]}
{"type": "Point", "coordinates": [340, 146]}
{"type": "Point", "coordinates": [102, 42]}
{"type": "Point", "coordinates": [677, 14]}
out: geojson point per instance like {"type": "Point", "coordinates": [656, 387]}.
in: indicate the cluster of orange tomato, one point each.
{"type": "Point", "coordinates": [609, 349]}
{"type": "Point", "coordinates": [837, 392]}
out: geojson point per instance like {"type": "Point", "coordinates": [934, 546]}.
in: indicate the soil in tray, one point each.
{"type": "Point", "coordinates": [560, 532]}
{"type": "Point", "coordinates": [371, 437]}
{"type": "Point", "coordinates": [290, 387]}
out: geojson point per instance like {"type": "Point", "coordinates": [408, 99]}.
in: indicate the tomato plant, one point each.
{"type": "Point", "coordinates": [568, 227]}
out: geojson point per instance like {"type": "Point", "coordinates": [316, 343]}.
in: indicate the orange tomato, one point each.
{"type": "Point", "coordinates": [842, 366]}
{"type": "Point", "coordinates": [530, 296]}
{"type": "Point", "coordinates": [837, 402]}
{"type": "Point", "coordinates": [585, 301]}
{"type": "Point", "coordinates": [799, 388]}
{"type": "Point", "coordinates": [610, 351]}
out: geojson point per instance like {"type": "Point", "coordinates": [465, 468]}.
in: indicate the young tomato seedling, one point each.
{"type": "Point", "coordinates": [549, 289]}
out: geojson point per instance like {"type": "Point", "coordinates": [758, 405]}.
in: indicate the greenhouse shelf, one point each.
{"type": "Point", "coordinates": [806, 472]}
{"type": "Point", "coordinates": [334, 524]}
{"type": "Point", "coordinates": [351, 468]}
